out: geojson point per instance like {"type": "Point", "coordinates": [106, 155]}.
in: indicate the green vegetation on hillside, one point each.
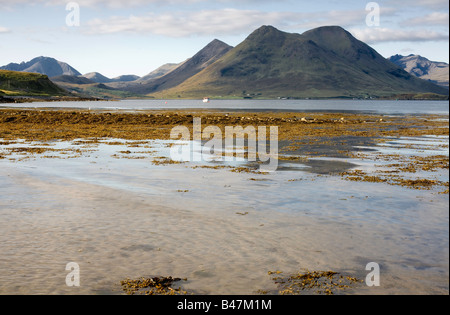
{"type": "Point", "coordinates": [102, 91]}
{"type": "Point", "coordinates": [98, 90]}
{"type": "Point", "coordinates": [13, 83]}
{"type": "Point", "coordinates": [420, 97]}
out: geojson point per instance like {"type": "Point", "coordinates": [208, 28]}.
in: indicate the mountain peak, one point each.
{"type": "Point", "coordinates": [40, 58]}
{"type": "Point", "coordinates": [267, 28]}
{"type": "Point", "coordinates": [265, 32]}
{"type": "Point", "coordinates": [423, 68]}
{"type": "Point", "coordinates": [342, 43]}
{"type": "Point", "coordinates": [329, 28]}
{"type": "Point", "coordinates": [213, 48]}
{"type": "Point", "coordinates": [266, 36]}
{"type": "Point", "coordinates": [96, 77]}
{"type": "Point", "coordinates": [43, 65]}
{"type": "Point", "coordinates": [329, 34]}
{"type": "Point", "coordinates": [201, 60]}
{"type": "Point", "coordinates": [218, 42]}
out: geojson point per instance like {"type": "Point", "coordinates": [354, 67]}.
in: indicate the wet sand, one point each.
{"type": "Point", "coordinates": [107, 206]}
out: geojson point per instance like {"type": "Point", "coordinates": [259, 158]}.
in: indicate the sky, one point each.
{"type": "Point", "coordinates": [120, 37]}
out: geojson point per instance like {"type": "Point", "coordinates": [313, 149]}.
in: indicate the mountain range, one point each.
{"type": "Point", "coordinates": [99, 78]}
{"type": "Point", "coordinates": [323, 62]}
{"type": "Point", "coordinates": [326, 62]}
{"type": "Point", "coordinates": [43, 65]}
{"type": "Point", "coordinates": [54, 69]}
{"type": "Point", "coordinates": [421, 67]}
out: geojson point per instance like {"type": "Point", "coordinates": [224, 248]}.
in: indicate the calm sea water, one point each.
{"type": "Point", "coordinates": [360, 106]}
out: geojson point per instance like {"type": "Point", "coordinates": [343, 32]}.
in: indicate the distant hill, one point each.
{"type": "Point", "coordinates": [43, 65]}
{"type": "Point", "coordinates": [71, 79]}
{"type": "Point", "coordinates": [126, 78]}
{"type": "Point", "coordinates": [204, 58]}
{"type": "Point", "coordinates": [85, 88]}
{"type": "Point", "coordinates": [96, 77]}
{"type": "Point", "coordinates": [136, 85]}
{"type": "Point", "coordinates": [100, 78]}
{"type": "Point", "coordinates": [15, 83]}
{"type": "Point", "coordinates": [326, 62]}
{"type": "Point", "coordinates": [161, 71]}
{"type": "Point", "coordinates": [423, 68]}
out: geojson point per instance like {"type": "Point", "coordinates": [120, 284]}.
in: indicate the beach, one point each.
{"type": "Point", "coordinates": [98, 188]}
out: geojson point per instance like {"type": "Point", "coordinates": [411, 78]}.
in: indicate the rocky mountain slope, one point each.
{"type": "Point", "coordinates": [200, 61]}
{"type": "Point", "coordinates": [43, 65]}
{"type": "Point", "coordinates": [421, 67]}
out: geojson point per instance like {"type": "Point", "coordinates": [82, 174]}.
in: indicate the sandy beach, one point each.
{"type": "Point", "coordinates": [86, 188]}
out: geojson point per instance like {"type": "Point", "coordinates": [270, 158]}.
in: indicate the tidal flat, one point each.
{"type": "Point", "coordinates": [99, 188]}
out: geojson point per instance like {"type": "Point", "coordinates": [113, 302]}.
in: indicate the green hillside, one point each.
{"type": "Point", "coordinates": [322, 63]}
{"type": "Point", "coordinates": [14, 83]}
{"type": "Point", "coordinates": [101, 91]}
{"type": "Point", "coordinates": [85, 88]}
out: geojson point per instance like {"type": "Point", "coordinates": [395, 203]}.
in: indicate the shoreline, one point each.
{"type": "Point", "coordinates": [401, 97]}
{"type": "Point", "coordinates": [35, 99]}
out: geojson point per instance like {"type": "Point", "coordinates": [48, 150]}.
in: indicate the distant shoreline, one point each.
{"type": "Point", "coordinates": [405, 97]}
{"type": "Point", "coordinates": [31, 99]}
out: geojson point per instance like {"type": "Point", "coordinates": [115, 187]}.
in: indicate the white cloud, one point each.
{"type": "Point", "coordinates": [205, 22]}
{"type": "Point", "coordinates": [429, 4]}
{"type": "Point", "coordinates": [432, 19]}
{"type": "Point", "coordinates": [235, 22]}
{"type": "Point", "coordinates": [117, 3]}
{"type": "Point", "coordinates": [343, 18]}
{"type": "Point", "coordinates": [6, 4]}
{"type": "Point", "coordinates": [222, 22]}
{"type": "Point", "coordinates": [407, 50]}
{"type": "Point", "coordinates": [4, 30]}
{"type": "Point", "coordinates": [382, 35]}
{"type": "Point", "coordinates": [189, 21]}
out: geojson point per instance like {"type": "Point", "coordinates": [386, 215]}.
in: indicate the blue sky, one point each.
{"type": "Point", "coordinates": [119, 37]}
